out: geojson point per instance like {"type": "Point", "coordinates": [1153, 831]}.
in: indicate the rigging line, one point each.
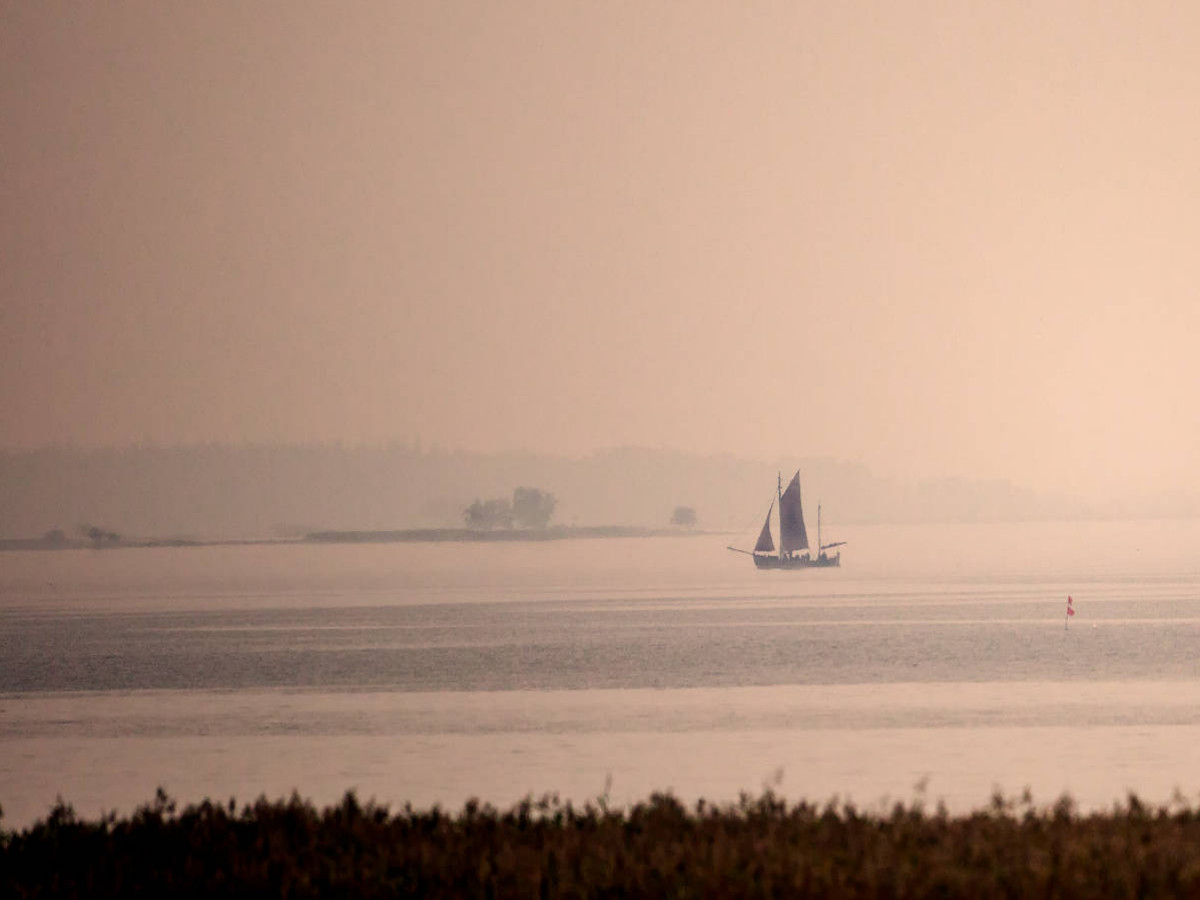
{"type": "Point", "coordinates": [754, 525]}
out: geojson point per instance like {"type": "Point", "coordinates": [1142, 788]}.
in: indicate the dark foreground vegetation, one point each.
{"type": "Point", "coordinates": [659, 848]}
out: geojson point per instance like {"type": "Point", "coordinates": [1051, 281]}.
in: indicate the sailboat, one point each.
{"type": "Point", "coordinates": [793, 536]}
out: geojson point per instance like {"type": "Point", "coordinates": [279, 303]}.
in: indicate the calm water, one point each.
{"type": "Point", "coordinates": [432, 673]}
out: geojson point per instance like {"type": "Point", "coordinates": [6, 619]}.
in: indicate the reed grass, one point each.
{"type": "Point", "coordinates": [759, 847]}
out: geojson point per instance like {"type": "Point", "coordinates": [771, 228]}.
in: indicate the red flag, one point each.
{"type": "Point", "coordinates": [1070, 608]}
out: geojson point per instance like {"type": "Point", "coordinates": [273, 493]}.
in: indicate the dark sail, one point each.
{"type": "Point", "coordinates": [765, 544]}
{"type": "Point", "coordinates": [792, 535]}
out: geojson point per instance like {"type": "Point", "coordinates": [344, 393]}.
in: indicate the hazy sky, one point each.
{"type": "Point", "coordinates": [939, 238]}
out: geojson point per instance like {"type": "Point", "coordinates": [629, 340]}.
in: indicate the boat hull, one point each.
{"type": "Point", "coordinates": [824, 561]}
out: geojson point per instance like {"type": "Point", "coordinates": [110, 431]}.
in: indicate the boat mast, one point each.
{"type": "Point", "coordinates": [779, 491]}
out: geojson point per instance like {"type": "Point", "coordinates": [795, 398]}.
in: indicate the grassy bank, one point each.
{"type": "Point", "coordinates": [478, 535]}
{"type": "Point", "coordinates": [404, 536]}
{"type": "Point", "coordinates": [760, 847]}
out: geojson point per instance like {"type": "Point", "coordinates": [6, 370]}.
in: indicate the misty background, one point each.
{"type": "Point", "coordinates": [218, 491]}
{"type": "Point", "coordinates": [953, 244]}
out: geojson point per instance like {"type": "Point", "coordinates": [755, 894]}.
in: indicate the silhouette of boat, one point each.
{"type": "Point", "coordinates": [793, 550]}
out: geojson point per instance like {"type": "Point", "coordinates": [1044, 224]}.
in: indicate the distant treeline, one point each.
{"type": "Point", "coordinates": [217, 491]}
{"type": "Point", "coordinates": [760, 847]}
{"type": "Point", "coordinates": [558, 533]}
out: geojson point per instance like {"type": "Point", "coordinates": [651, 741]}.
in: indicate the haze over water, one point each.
{"type": "Point", "coordinates": [937, 239]}
{"type": "Point", "coordinates": [434, 672]}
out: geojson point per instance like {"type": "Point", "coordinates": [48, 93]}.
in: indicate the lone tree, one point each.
{"type": "Point", "coordinates": [532, 508]}
{"type": "Point", "coordinates": [684, 516]}
{"type": "Point", "coordinates": [99, 536]}
{"type": "Point", "coordinates": [489, 514]}
{"type": "Point", "coordinates": [529, 508]}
